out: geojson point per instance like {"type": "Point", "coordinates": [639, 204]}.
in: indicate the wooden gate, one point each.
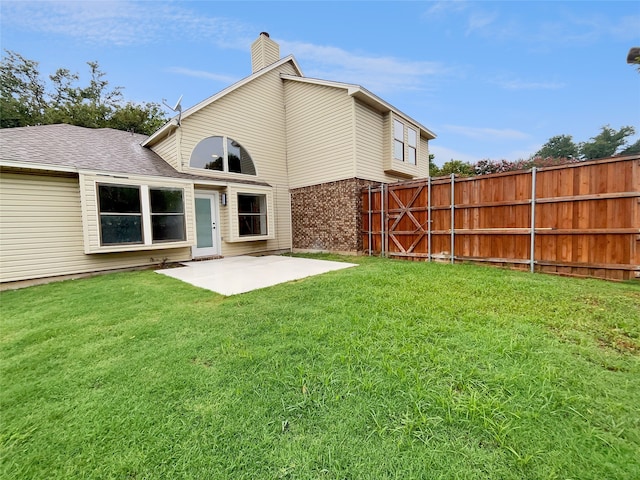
{"type": "Point", "coordinates": [580, 219]}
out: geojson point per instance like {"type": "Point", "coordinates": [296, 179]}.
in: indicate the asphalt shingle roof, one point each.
{"type": "Point", "coordinates": [101, 149]}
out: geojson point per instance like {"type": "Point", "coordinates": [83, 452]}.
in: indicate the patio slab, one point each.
{"type": "Point", "coordinates": [233, 275]}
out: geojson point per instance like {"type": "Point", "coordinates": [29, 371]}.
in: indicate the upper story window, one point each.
{"type": "Point", "coordinates": [222, 154]}
{"type": "Point", "coordinates": [398, 140]}
{"type": "Point", "coordinates": [405, 143]}
{"type": "Point", "coordinates": [412, 145]}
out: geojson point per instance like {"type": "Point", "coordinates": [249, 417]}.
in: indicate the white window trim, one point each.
{"type": "Point", "coordinates": [187, 168]}
{"type": "Point", "coordinates": [91, 215]}
{"type": "Point", "coordinates": [396, 166]}
{"type": "Point", "coordinates": [233, 235]}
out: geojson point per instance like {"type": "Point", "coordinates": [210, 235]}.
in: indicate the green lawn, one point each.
{"type": "Point", "coordinates": [391, 369]}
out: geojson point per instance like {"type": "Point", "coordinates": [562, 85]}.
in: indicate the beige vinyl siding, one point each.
{"type": "Point", "coordinates": [41, 232]}
{"type": "Point", "coordinates": [320, 134]}
{"type": "Point", "coordinates": [373, 145]}
{"type": "Point", "coordinates": [167, 149]}
{"type": "Point", "coordinates": [423, 157]}
{"type": "Point", "coordinates": [281, 215]}
{"type": "Point", "coordinates": [90, 210]}
{"type": "Point", "coordinates": [253, 115]}
{"type": "Point", "coordinates": [264, 52]}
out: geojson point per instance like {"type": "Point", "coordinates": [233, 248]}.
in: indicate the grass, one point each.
{"type": "Point", "coordinates": [390, 370]}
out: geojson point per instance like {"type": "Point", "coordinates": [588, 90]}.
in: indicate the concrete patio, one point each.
{"type": "Point", "coordinates": [234, 275]}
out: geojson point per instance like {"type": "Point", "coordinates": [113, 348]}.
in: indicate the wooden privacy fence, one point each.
{"type": "Point", "coordinates": [580, 219]}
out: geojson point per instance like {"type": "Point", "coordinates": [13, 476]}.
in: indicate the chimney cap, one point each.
{"type": "Point", "coordinates": [266, 34]}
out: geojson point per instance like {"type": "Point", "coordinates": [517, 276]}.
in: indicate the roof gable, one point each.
{"type": "Point", "coordinates": [167, 127]}
{"type": "Point", "coordinates": [363, 95]}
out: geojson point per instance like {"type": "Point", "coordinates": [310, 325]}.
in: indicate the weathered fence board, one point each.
{"type": "Point", "coordinates": [585, 216]}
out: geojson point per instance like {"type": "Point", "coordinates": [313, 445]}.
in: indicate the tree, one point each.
{"type": "Point", "coordinates": [22, 92]}
{"type": "Point", "coordinates": [464, 169]}
{"type": "Point", "coordinates": [606, 143]}
{"type": "Point", "coordinates": [434, 170]}
{"type": "Point", "coordinates": [632, 149]}
{"type": "Point", "coordinates": [24, 99]}
{"type": "Point", "coordinates": [560, 146]}
{"type": "Point", "coordinates": [142, 118]}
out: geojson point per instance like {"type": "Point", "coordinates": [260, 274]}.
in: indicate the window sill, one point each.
{"type": "Point", "coordinates": [402, 169]}
{"type": "Point", "coordinates": [253, 238]}
{"type": "Point", "coordinates": [138, 247]}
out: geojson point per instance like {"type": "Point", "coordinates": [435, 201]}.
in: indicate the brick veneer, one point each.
{"type": "Point", "coordinates": [327, 217]}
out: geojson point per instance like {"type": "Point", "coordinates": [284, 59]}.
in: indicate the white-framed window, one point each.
{"type": "Point", "coordinates": [252, 214]}
{"type": "Point", "coordinates": [412, 145]}
{"type": "Point", "coordinates": [120, 212]}
{"type": "Point", "coordinates": [222, 154]}
{"type": "Point", "coordinates": [139, 214]}
{"type": "Point", "coordinates": [405, 143]}
{"type": "Point", "coordinates": [250, 211]}
{"type": "Point", "coordinates": [167, 215]}
{"type": "Point", "coordinates": [398, 140]}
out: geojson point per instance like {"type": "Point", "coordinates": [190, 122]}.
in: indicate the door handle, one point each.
{"type": "Point", "coordinates": [213, 225]}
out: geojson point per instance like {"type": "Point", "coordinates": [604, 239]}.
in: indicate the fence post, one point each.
{"type": "Point", "coordinates": [370, 222]}
{"type": "Point", "coordinates": [382, 237]}
{"type": "Point", "coordinates": [429, 219]}
{"type": "Point", "coordinates": [533, 219]}
{"type": "Point", "coordinates": [453, 241]}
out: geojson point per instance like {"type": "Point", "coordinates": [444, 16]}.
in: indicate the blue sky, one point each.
{"type": "Point", "coordinates": [492, 79]}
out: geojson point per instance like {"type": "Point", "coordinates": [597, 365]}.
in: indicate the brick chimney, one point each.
{"type": "Point", "coordinates": [264, 52]}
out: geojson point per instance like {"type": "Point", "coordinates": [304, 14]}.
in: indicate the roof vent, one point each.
{"type": "Point", "coordinates": [264, 52]}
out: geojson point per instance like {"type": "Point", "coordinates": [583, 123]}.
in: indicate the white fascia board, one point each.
{"type": "Point", "coordinates": [37, 166]}
{"type": "Point", "coordinates": [362, 93]}
{"type": "Point", "coordinates": [126, 175]}
{"type": "Point", "coordinates": [191, 110]}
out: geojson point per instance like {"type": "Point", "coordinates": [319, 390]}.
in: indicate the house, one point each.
{"type": "Point", "coordinates": [273, 163]}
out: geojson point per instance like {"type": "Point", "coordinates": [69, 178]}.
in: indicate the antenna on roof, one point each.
{"type": "Point", "coordinates": [176, 108]}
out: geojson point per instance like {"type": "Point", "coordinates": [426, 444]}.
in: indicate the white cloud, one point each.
{"type": "Point", "coordinates": [123, 22]}
{"type": "Point", "coordinates": [226, 79]}
{"type": "Point", "coordinates": [444, 154]}
{"type": "Point", "coordinates": [516, 84]}
{"type": "Point", "coordinates": [379, 74]}
{"type": "Point", "coordinates": [486, 134]}
{"type": "Point", "coordinates": [479, 21]}
{"type": "Point", "coordinates": [444, 7]}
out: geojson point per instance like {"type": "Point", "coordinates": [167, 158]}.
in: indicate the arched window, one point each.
{"type": "Point", "coordinates": [222, 154]}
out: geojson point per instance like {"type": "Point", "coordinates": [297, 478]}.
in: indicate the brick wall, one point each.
{"type": "Point", "coordinates": [327, 216]}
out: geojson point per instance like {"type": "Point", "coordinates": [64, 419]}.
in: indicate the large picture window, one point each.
{"type": "Point", "coordinates": [252, 214]}
{"type": "Point", "coordinates": [139, 214]}
{"type": "Point", "coordinates": [167, 215]}
{"type": "Point", "coordinates": [120, 211]}
{"type": "Point", "coordinates": [222, 154]}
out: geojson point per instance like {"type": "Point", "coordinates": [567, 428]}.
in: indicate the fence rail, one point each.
{"type": "Point", "coordinates": [580, 219]}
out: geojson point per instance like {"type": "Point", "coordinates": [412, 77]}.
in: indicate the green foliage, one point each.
{"type": "Point", "coordinates": [24, 99]}
{"type": "Point", "coordinates": [434, 170]}
{"type": "Point", "coordinates": [560, 146]}
{"type": "Point", "coordinates": [458, 167]}
{"type": "Point", "coordinates": [632, 149]}
{"type": "Point", "coordinates": [22, 92]}
{"type": "Point", "coordinates": [388, 370]}
{"type": "Point", "coordinates": [606, 143]}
